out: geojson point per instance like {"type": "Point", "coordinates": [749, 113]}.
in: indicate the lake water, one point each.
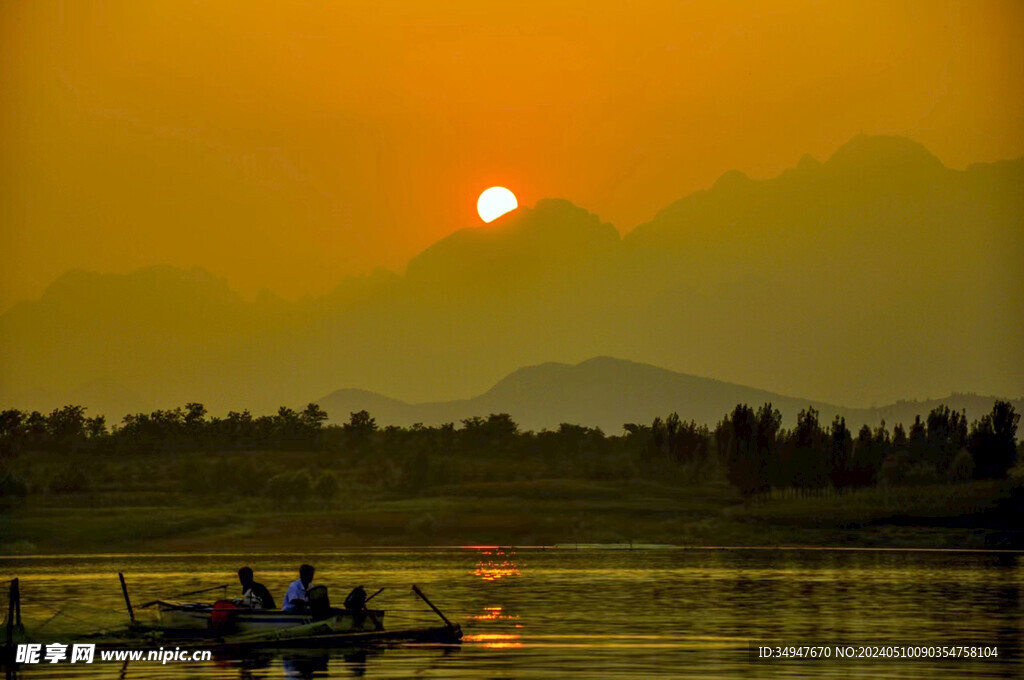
{"type": "Point", "coordinates": [577, 613]}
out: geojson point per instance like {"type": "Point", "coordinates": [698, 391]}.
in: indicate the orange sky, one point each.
{"type": "Point", "coordinates": [285, 145]}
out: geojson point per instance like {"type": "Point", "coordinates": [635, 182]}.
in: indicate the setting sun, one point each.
{"type": "Point", "coordinates": [495, 202]}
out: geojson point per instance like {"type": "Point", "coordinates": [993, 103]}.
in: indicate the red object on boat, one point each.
{"type": "Point", "coordinates": [222, 612]}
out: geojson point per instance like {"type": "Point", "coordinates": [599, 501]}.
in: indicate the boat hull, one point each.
{"type": "Point", "coordinates": [192, 618]}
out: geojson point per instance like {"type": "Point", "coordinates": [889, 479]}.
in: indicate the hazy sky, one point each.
{"type": "Point", "coordinates": [284, 145]}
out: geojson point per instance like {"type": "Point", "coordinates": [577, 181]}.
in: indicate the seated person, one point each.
{"type": "Point", "coordinates": [254, 594]}
{"type": "Point", "coordinates": [296, 599]}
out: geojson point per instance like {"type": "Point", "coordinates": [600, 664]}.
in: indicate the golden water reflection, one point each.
{"type": "Point", "coordinates": [496, 614]}
{"type": "Point", "coordinates": [496, 564]}
{"type": "Point", "coordinates": [573, 613]}
{"type": "Point", "coordinates": [495, 640]}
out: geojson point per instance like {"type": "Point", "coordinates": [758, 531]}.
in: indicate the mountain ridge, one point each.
{"type": "Point", "coordinates": [546, 395]}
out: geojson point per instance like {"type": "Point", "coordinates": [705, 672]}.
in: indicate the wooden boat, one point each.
{"type": "Point", "coordinates": [190, 618]}
{"type": "Point", "coordinates": [247, 628]}
{"type": "Point", "coordinates": [252, 629]}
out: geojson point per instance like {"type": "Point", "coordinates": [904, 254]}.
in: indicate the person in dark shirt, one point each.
{"type": "Point", "coordinates": [254, 594]}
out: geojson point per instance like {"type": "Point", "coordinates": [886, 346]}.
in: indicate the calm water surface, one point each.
{"type": "Point", "coordinates": [564, 613]}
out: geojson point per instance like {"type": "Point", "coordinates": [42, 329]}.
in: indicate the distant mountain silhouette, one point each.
{"type": "Point", "coordinates": [607, 393]}
{"type": "Point", "coordinates": [874, 275]}
{"type": "Point", "coordinates": [551, 239]}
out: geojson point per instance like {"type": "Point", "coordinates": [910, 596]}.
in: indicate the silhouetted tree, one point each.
{"type": "Point", "coordinates": [917, 441]}
{"type": "Point", "coordinates": [683, 442]}
{"type": "Point", "coordinates": [12, 433]}
{"type": "Point", "coordinates": [359, 429]}
{"type": "Point", "coordinates": [66, 426]}
{"type": "Point", "coordinates": [723, 435]}
{"type": "Point", "coordinates": [742, 463]}
{"type": "Point", "coordinates": [638, 442]}
{"type": "Point", "coordinates": [96, 427]}
{"type": "Point", "coordinates": [313, 416]}
{"type": "Point", "coordinates": [899, 437]}
{"type": "Point", "coordinates": [993, 441]}
{"type": "Point", "coordinates": [239, 429]}
{"type": "Point", "coordinates": [868, 458]}
{"type": "Point", "coordinates": [361, 422]}
{"type": "Point", "coordinates": [808, 443]}
{"type": "Point", "coordinates": [193, 424]}
{"type": "Point", "coordinates": [496, 433]}
{"type": "Point", "coordinates": [767, 424]}
{"type": "Point", "coordinates": [947, 434]}
{"type": "Point", "coordinates": [756, 454]}
{"type": "Point", "coordinates": [35, 429]}
{"type": "Point", "coordinates": [840, 454]}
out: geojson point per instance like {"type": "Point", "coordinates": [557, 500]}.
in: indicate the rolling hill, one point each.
{"type": "Point", "coordinates": [605, 392]}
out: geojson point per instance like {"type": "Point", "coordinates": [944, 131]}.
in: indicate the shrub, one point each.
{"type": "Point", "coordinates": [962, 467]}
{"type": "Point", "coordinates": [921, 473]}
{"type": "Point", "coordinates": [289, 485]}
{"type": "Point", "coordinates": [69, 480]}
{"type": "Point", "coordinates": [894, 468]}
{"type": "Point", "coordinates": [12, 486]}
{"type": "Point", "coordinates": [326, 486]}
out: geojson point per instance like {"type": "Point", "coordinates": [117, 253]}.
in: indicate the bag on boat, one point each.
{"type": "Point", "coordinates": [319, 603]}
{"type": "Point", "coordinates": [222, 614]}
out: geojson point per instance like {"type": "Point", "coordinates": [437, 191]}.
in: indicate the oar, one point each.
{"type": "Point", "coordinates": [204, 590]}
{"type": "Point", "coordinates": [147, 605]}
{"type": "Point", "coordinates": [437, 611]}
{"type": "Point", "coordinates": [373, 596]}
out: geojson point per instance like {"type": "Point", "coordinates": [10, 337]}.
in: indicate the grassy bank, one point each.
{"type": "Point", "coordinates": [521, 512]}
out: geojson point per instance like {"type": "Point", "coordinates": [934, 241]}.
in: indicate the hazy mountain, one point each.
{"type": "Point", "coordinates": [877, 271]}
{"type": "Point", "coordinates": [605, 392]}
{"type": "Point", "coordinates": [876, 275]}
{"type": "Point", "coordinates": [151, 337]}
{"type": "Point", "coordinates": [552, 240]}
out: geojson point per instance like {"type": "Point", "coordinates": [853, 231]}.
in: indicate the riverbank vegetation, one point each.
{"type": "Point", "coordinates": [181, 479]}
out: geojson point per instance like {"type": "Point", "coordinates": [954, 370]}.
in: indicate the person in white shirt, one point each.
{"type": "Point", "coordinates": [295, 599]}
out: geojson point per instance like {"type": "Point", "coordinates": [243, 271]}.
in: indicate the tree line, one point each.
{"type": "Point", "coordinates": [760, 455]}
{"type": "Point", "coordinates": [179, 429]}
{"type": "Point", "coordinates": [749, 447]}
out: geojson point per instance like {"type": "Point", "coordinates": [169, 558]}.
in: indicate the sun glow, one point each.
{"type": "Point", "coordinates": [495, 202]}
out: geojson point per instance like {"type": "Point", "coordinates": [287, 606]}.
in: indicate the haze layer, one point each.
{"type": "Point", "coordinates": [283, 145]}
{"type": "Point", "coordinates": [876, 275]}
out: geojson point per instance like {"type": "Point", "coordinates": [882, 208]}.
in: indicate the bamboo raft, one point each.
{"type": "Point", "coordinates": [313, 635]}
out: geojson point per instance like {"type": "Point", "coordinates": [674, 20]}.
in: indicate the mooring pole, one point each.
{"type": "Point", "coordinates": [17, 603]}
{"type": "Point", "coordinates": [11, 606]}
{"type": "Point", "coordinates": [127, 602]}
{"type": "Point", "coordinates": [437, 611]}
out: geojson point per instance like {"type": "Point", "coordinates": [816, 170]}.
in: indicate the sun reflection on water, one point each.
{"type": "Point", "coordinates": [496, 564]}
{"type": "Point", "coordinates": [495, 640]}
{"type": "Point", "coordinates": [495, 614]}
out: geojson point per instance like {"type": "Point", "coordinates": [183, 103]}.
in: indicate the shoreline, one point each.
{"type": "Point", "coordinates": [348, 550]}
{"type": "Point", "coordinates": [972, 517]}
